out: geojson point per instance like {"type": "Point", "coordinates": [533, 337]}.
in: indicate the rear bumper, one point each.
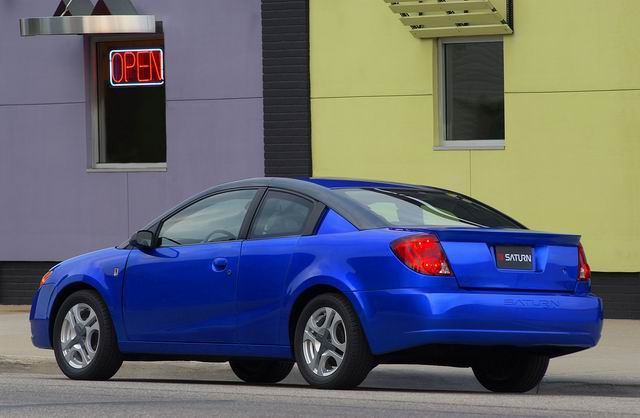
{"type": "Point", "coordinates": [399, 319]}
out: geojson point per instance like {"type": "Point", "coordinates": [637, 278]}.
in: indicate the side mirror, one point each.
{"type": "Point", "coordinates": [143, 240]}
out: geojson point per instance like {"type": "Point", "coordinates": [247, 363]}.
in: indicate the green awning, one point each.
{"type": "Point", "coordinates": [446, 18]}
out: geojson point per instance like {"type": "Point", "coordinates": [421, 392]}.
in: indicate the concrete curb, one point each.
{"type": "Point", "coordinates": [151, 370]}
{"type": "Point", "coordinates": [26, 361]}
{"type": "Point", "coordinates": [14, 364]}
{"type": "Point", "coordinates": [15, 308]}
{"type": "Point", "coordinates": [15, 361]}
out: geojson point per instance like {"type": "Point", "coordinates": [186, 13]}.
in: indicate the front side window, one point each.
{"type": "Point", "coordinates": [213, 219]}
{"type": "Point", "coordinates": [281, 214]}
{"type": "Point", "coordinates": [411, 208]}
{"type": "Point", "coordinates": [130, 104]}
{"type": "Point", "coordinates": [472, 90]}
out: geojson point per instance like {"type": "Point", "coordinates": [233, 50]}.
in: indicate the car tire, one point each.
{"type": "Point", "coordinates": [511, 373]}
{"type": "Point", "coordinates": [87, 350]}
{"type": "Point", "coordinates": [318, 355]}
{"type": "Point", "coordinates": [261, 371]}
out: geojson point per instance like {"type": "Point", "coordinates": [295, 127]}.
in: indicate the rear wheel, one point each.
{"type": "Point", "coordinates": [84, 341]}
{"type": "Point", "coordinates": [330, 347]}
{"type": "Point", "coordinates": [511, 373]}
{"type": "Point", "coordinates": [261, 371]}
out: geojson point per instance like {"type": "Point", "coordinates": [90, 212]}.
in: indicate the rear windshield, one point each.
{"type": "Point", "coordinates": [400, 207]}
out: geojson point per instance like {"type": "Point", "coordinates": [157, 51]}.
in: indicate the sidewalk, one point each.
{"type": "Point", "coordinates": [15, 336]}
{"type": "Point", "coordinates": [614, 361]}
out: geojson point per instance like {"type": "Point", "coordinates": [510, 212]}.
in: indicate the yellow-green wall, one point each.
{"type": "Point", "coordinates": [572, 107]}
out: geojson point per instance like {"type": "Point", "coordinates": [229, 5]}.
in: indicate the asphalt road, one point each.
{"type": "Point", "coordinates": [193, 389]}
{"type": "Point", "coordinates": [604, 381]}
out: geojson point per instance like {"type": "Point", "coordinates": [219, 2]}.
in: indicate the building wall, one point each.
{"type": "Point", "coordinates": [572, 100]}
{"type": "Point", "coordinates": [285, 66]}
{"type": "Point", "coordinates": [51, 207]}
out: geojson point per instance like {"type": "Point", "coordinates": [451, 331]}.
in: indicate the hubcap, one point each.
{"type": "Point", "coordinates": [324, 342]}
{"type": "Point", "coordinates": [80, 335]}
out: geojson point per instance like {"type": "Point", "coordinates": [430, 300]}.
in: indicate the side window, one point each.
{"type": "Point", "coordinates": [281, 214]}
{"type": "Point", "coordinates": [213, 219]}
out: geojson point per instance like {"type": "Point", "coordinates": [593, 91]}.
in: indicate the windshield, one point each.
{"type": "Point", "coordinates": [400, 207]}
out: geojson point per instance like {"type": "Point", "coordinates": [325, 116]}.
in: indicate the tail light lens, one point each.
{"type": "Point", "coordinates": [584, 271]}
{"type": "Point", "coordinates": [45, 277]}
{"type": "Point", "coordinates": [422, 253]}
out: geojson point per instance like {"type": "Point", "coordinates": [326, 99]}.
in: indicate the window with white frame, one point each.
{"type": "Point", "coordinates": [129, 126]}
{"type": "Point", "coordinates": [471, 92]}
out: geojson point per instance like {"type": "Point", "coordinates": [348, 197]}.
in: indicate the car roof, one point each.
{"type": "Point", "coordinates": [326, 182]}
{"type": "Point", "coordinates": [338, 183]}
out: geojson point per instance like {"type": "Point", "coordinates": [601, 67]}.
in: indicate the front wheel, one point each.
{"type": "Point", "coordinates": [330, 347]}
{"type": "Point", "coordinates": [261, 371]}
{"type": "Point", "coordinates": [511, 373]}
{"type": "Point", "coordinates": [84, 341]}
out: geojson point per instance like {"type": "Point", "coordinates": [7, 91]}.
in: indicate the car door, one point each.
{"type": "Point", "coordinates": [266, 255]}
{"type": "Point", "coordinates": [185, 289]}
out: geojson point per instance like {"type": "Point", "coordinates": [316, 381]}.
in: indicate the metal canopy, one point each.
{"type": "Point", "coordinates": [446, 18]}
{"type": "Point", "coordinates": [79, 17]}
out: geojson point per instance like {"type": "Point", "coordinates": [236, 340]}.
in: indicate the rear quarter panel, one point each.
{"type": "Point", "coordinates": [352, 262]}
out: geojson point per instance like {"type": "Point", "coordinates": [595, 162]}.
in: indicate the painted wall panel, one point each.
{"type": "Point", "coordinates": [363, 138]}
{"type": "Point", "coordinates": [567, 45]}
{"type": "Point", "coordinates": [37, 69]}
{"type": "Point", "coordinates": [51, 208]}
{"type": "Point", "coordinates": [212, 47]}
{"type": "Point", "coordinates": [572, 156]}
{"type": "Point", "coordinates": [572, 165]}
{"type": "Point", "coordinates": [360, 48]}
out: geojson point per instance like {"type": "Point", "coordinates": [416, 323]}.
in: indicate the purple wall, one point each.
{"type": "Point", "coordinates": [51, 208]}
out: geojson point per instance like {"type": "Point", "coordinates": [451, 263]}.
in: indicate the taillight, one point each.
{"type": "Point", "coordinates": [45, 277]}
{"type": "Point", "coordinates": [422, 253]}
{"type": "Point", "coordinates": [584, 271]}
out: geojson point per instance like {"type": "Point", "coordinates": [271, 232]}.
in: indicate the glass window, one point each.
{"type": "Point", "coordinates": [130, 102]}
{"type": "Point", "coordinates": [406, 208]}
{"type": "Point", "coordinates": [473, 90]}
{"type": "Point", "coordinates": [281, 214]}
{"type": "Point", "coordinates": [213, 219]}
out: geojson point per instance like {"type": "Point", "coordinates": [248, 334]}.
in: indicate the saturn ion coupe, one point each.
{"type": "Point", "coordinates": [337, 276]}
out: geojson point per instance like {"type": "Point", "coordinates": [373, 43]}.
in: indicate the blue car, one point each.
{"type": "Point", "coordinates": [337, 276]}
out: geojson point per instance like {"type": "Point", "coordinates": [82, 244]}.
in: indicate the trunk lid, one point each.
{"type": "Point", "coordinates": [510, 259]}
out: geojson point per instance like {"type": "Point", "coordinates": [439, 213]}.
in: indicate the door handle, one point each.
{"type": "Point", "coordinates": [220, 264]}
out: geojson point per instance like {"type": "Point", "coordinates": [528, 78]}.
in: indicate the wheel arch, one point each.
{"type": "Point", "coordinates": [316, 290]}
{"type": "Point", "coordinates": [61, 296]}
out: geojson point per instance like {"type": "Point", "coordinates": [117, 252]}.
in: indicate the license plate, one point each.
{"type": "Point", "coordinates": [514, 258]}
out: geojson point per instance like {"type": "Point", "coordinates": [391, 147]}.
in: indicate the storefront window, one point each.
{"type": "Point", "coordinates": [472, 92]}
{"type": "Point", "coordinates": [130, 104]}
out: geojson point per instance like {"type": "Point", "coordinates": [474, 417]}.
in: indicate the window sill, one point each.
{"type": "Point", "coordinates": [128, 168]}
{"type": "Point", "coordinates": [469, 147]}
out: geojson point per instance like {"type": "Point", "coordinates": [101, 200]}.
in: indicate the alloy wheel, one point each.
{"type": "Point", "coordinates": [324, 341]}
{"type": "Point", "coordinates": [80, 335]}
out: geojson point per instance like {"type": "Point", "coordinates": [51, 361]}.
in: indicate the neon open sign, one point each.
{"type": "Point", "coordinates": [136, 67]}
